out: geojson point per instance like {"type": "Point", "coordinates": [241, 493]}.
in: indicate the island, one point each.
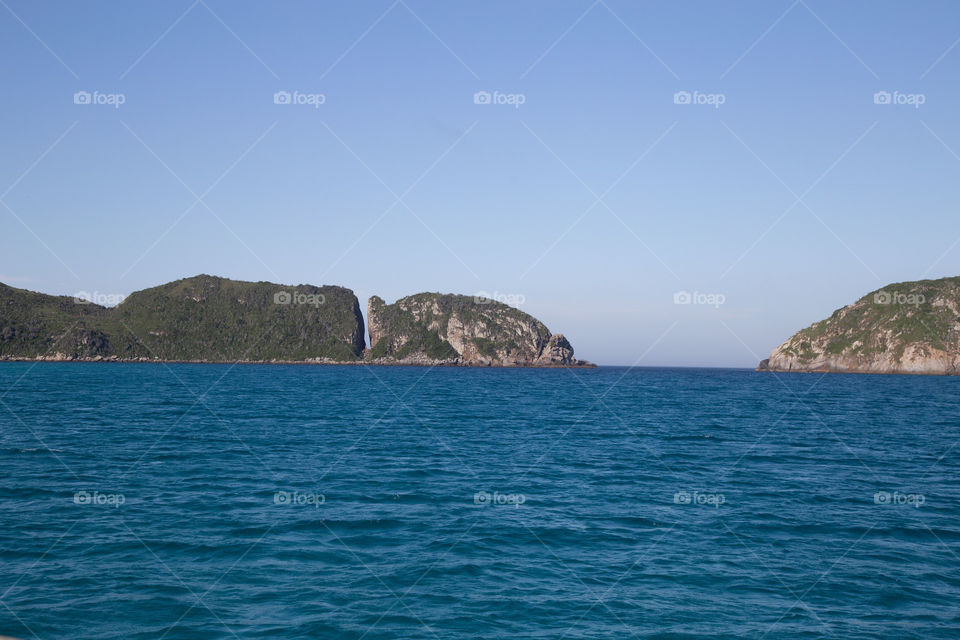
{"type": "Point", "coordinates": [905, 327]}
{"type": "Point", "coordinates": [218, 320]}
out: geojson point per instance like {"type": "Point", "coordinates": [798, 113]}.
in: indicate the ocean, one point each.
{"type": "Point", "coordinates": [256, 501]}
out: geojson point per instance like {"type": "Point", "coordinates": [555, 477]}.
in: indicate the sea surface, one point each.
{"type": "Point", "coordinates": [204, 501]}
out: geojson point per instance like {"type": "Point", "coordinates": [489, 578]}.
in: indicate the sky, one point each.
{"type": "Point", "coordinates": [597, 163]}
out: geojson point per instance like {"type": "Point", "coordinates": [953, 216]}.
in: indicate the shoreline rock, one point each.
{"type": "Point", "coordinates": [206, 319]}
{"type": "Point", "coordinates": [449, 329]}
{"type": "Point", "coordinates": [382, 362]}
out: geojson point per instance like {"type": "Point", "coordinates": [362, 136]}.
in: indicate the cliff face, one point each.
{"type": "Point", "coordinates": [201, 318]}
{"type": "Point", "coordinates": [209, 319]}
{"type": "Point", "coordinates": [907, 327]}
{"type": "Point", "coordinates": [433, 328]}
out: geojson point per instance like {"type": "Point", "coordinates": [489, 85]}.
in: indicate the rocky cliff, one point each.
{"type": "Point", "coordinates": [434, 328]}
{"type": "Point", "coordinates": [210, 319]}
{"type": "Point", "coordinates": [907, 327]}
{"type": "Point", "coordinates": [203, 318]}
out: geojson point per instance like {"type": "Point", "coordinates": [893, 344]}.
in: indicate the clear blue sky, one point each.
{"type": "Point", "coordinates": [793, 197]}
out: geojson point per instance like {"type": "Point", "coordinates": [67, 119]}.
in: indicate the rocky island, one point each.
{"type": "Point", "coordinates": [906, 327]}
{"type": "Point", "coordinates": [434, 328]}
{"type": "Point", "coordinates": [211, 319]}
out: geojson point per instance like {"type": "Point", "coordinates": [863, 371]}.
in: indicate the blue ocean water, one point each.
{"type": "Point", "coordinates": [208, 501]}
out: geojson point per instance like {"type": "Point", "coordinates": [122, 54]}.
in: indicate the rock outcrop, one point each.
{"type": "Point", "coordinates": [210, 319]}
{"type": "Point", "coordinates": [907, 327]}
{"type": "Point", "coordinates": [447, 329]}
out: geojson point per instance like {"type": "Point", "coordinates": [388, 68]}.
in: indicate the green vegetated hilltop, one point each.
{"type": "Point", "coordinates": [905, 327]}
{"type": "Point", "coordinates": [211, 319]}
